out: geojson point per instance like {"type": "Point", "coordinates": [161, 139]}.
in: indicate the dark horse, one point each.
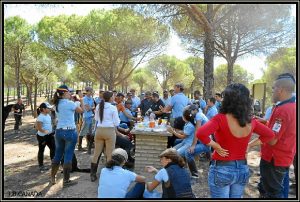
{"type": "Point", "coordinates": [6, 111]}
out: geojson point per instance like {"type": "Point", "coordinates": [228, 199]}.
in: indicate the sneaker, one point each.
{"type": "Point", "coordinates": [43, 168]}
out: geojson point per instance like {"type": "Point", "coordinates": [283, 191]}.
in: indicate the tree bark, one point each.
{"type": "Point", "coordinates": [229, 72]}
{"type": "Point", "coordinates": [209, 57]}
{"type": "Point", "coordinates": [7, 96]}
{"type": "Point", "coordinates": [35, 97]}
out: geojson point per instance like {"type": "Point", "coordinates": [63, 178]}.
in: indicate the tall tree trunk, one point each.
{"type": "Point", "coordinates": [229, 72]}
{"type": "Point", "coordinates": [17, 72]}
{"type": "Point", "coordinates": [101, 85]}
{"type": "Point", "coordinates": [29, 89]}
{"type": "Point", "coordinates": [141, 88]}
{"type": "Point", "coordinates": [192, 89]}
{"type": "Point", "coordinates": [40, 90]}
{"type": "Point", "coordinates": [14, 94]}
{"type": "Point", "coordinates": [209, 57]}
{"type": "Point", "coordinates": [7, 96]}
{"type": "Point", "coordinates": [35, 97]}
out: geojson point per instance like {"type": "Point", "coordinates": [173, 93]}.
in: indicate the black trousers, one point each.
{"type": "Point", "coordinates": [271, 185]}
{"type": "Point", "coordinates": [18, 121]}
{"type": "Point", "coordinates": [47, 140]}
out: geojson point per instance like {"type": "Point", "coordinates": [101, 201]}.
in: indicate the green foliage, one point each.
{"type": "Point", "coordinates": [239, 30]}
{"type": "Point", "coordinates": [240, 75]}
{"type": "Point", "coordinates": [169, 70]}
{"type": "Point", "coordinates": [281, 61]}
{"type": "Point", "coordinates": [144, 79]}
{"type": "Point", "coordinates": [197, 65]}
{"type": "Point", "coordinates": [109, 44]}
{"type": "Point", "coordinates": [9, 77]}
{"type": "Point", "coordinates": [17, 36]}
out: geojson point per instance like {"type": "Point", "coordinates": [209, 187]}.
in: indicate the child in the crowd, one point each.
{"type": "Point", "coordinates": [173, 176]}
{"type": "Point", "coordinates": [45, 134]}
{"type": "Point", "coordinates": [114, 180]}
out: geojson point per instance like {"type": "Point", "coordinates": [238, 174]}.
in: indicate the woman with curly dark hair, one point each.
{"type": "Point", "coordinates": [232, 128]}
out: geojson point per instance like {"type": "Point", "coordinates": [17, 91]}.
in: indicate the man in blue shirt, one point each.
{"type": "Point", "coordinates": [218, 97]}
{"type": "Point", "coordinates": [177, 104]}
{"type": "Point", "coordinates": [211, 108]}
{"type": "Point", "coordinates": [88, 115]}
{"type": "Point", "coordinates": [198, 100]}
{"type": "Point", "coordinates": [135, 102]}
{"type": "Point", "coordinates": [166, 99]}
{"type": "Point", "coordinates": [100, 97]}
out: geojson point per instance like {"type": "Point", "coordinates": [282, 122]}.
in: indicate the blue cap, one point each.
{"type": "Point", "coordinates": [64, 88]}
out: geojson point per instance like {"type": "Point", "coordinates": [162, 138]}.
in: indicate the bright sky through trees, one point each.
{"type": "Point", "coordinates": [33, 14]}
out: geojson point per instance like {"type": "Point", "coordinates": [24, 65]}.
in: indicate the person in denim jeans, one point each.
{"type": "Point", "coordinates": [66, 133]}
{"type": "Point", "coordinates": [197, 146]}
{"type": "Point", "coordinates": [88, 117]}
{"type": "Point", "coordinates": [232, 128]}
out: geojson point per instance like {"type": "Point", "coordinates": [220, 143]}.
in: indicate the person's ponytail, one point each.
{"type": "Point", "coordinates": [38, 111]}
{"type": "Point", "coordinates": [101, 110]}
{"type": "Point", "coordinates": [56, 98]}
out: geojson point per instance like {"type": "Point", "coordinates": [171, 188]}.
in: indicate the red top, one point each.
{"type": "Point", "coordinates": [236, 146]}
{"type": "Point", "coordinates": [284, 150]}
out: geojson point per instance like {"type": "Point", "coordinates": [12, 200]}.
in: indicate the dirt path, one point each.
{"type": "Point", "coordinates": [22, 178]}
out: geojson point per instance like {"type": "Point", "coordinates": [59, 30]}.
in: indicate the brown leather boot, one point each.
{"type": "Point", "coordinates": [94, 167]}
{"type": "Point", "coordinates": [54, 169]}
{"type": "Point", "coordinates": [67, 170]}
{"type": "Point", "coordinates": [89, 139]}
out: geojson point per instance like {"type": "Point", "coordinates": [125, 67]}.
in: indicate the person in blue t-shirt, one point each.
{"type": "Point", "coordinates": [88, 116]}
{"type": "Point", "coordinates": [136, 101]}
{"type": "Point", "coordinates": [45, 134]}
{"type": "Point", "coordinates": [65, 134]}
{"type": "Point", "coordinates": [188, 132]}
{"type": "Point", "coordinates": [211, 108]}
{"type": "Point", "coordinates": [100, 97]}
{"type": "Point", "coordinates": [218, 97]}
{"type": "Point", "coordinates": [177, 104]}
{"type": "Point", "coordinates": [126, 116]}
{"type": "Point", "coordinates": [198, 100]}
{"type": "Point", "coordinates": [197, 146]}
{"type": "Point", "coordinates": [114, 180]}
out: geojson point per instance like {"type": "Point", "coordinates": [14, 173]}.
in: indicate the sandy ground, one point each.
{"type": "Point", "coordinates": [23, 179]}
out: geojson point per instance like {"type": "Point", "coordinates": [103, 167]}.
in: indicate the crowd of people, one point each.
{"type": "Point", "coordinates": [219, 128]}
